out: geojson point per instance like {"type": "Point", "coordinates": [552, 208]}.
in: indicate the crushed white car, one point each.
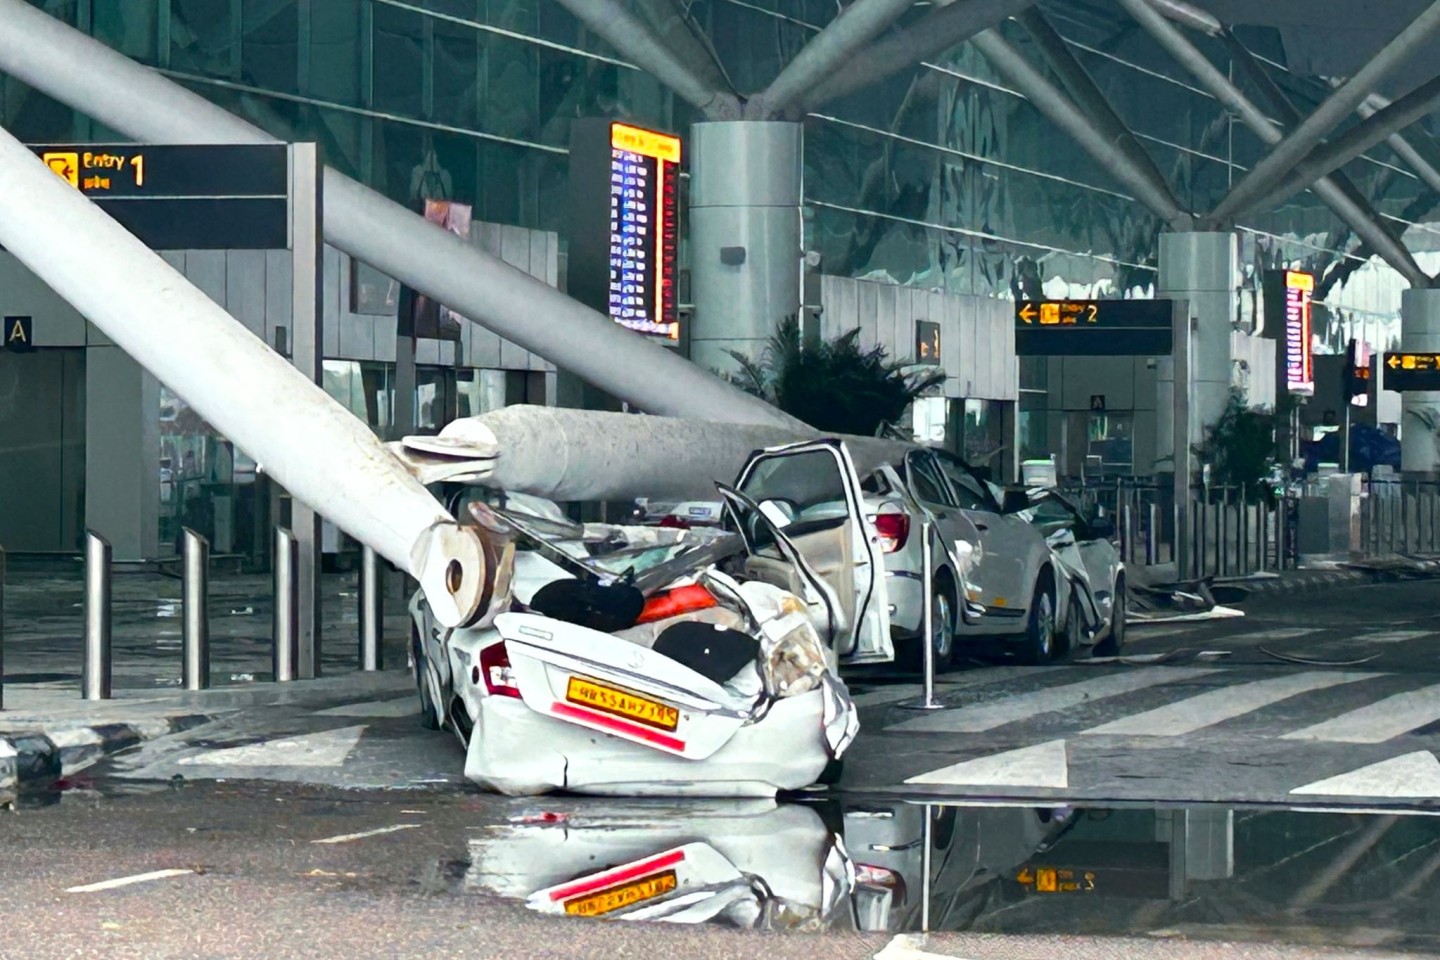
{"type": "Point", "coordinates": [636, 661]}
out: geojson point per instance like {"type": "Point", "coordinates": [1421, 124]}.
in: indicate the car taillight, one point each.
{"type": "Point", "coordinates": [674, 602]}
{"type": "Point", "coordinates": [495, 672]}
{"type": "Point", "coordinates": [676, 523]}
{"type": "Point", "coordinates": [893, 525]}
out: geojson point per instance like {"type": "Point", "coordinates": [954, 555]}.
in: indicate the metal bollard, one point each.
{"type": "Point", "coordinates": [1152, 534]}
{"type": "Point", "coordinates": [1222, 534]}
{"type": "Point", "coordinates": [287, 611]}
{"type": "Point", "coordinates": [195, 592]}
{"type": "Point", "coordinates": [372, 611]}
{"type": "Point", "coordinates": [927, 622]}
{"type": "Point", "coordinates": [1243, 530]}
{"type": "Point", "coordinates": [927, 839]}
{"type": "Point", "coordinates": [95, 676]}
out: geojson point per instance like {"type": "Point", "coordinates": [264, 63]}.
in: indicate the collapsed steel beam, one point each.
{"type": "Point", "coordinates": [635, 41]}
{"type": "Point", "coordinates": [1289, 151]}
{"type": "Point", "coordinates": [1219, 86]}
{"type": "Point", "coordinates": [1426, 168]}
{"type": "Point", "coordinates": [855, 26]}
{"type": "Point", "coordinates": [931, 36]}
{"type": "Point", "coordinates": [1087, 95]}
{"type": "Point", "coordinates": [1190, 16]}
{"type": "Point", "coordinates": [1334, 154]}
{"type": "Point", "coordinates": [1049, 100]}
{"type": "Point", "coordinates": [308, 442]}
{"type": "Point", "coordinates": [83, 73]}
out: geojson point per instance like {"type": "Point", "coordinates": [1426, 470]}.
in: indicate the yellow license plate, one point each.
{"type": "Point", "coordinates": [622, 703]}
{"type": "Point", "coordinates": [617, 898]}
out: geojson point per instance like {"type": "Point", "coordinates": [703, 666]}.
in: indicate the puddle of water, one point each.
{"type": "Point", "coordinates": [1344, 879]}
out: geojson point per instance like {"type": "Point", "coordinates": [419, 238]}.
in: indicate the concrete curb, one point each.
{"type": "Point", "coordinates": [43, 756]}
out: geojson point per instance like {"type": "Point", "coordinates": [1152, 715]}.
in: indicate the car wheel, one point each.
{"type": "Point", "coordinates": [1114, 641]}
{"type": "Point", "coordinates": [911, 655]}
{"type": "Point", "coordinates": [428, 715]}
{"type": "Point", "coordinates": [1038, 646]}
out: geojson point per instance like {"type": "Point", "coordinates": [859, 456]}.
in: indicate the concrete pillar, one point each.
{"type": "Point", "coordinates": [745, 235]}
{"type": "Point", "coordinates": [1200, 268]}
{"type": "Point", "coordinates": [1420, 410]}
{"type": "Point", "coordinates": [122, 453]}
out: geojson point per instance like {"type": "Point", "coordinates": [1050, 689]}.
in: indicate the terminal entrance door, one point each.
{"type": "Point", "coordinates": [42, 450]}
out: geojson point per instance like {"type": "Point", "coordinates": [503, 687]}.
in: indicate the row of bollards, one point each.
{"type": "Point", "coordinates": [96, 677]}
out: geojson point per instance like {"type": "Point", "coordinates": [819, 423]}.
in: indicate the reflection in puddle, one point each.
{"type": "Point", "coordinates": [1351, 879]}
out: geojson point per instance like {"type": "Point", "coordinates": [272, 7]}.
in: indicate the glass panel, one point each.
{"type": "Point", "coordinates": [335, 43]}
{"type": "Point", "coordinates": [270, 44]}
{"type": "Point", "coordinates": [129, 27]}
{"type": "Point", "coordinates": [925, 482]}
{"type": "Point", "coordinates": [398, 61]}
{"type": "Point", "coordinates": [479, 391]}
{"type": "Point", "coordinates": [973, 495]}
{"type": "Point", "coordinates": [201, 37]}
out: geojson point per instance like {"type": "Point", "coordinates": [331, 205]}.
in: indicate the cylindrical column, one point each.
{"type": "Point", "coordinates": [746, 238]}
{"type": "Point", "coordinates": [1127, 533]}
{"type": "Point", "coordinates": [1222, 533]}
{"type": "Point", "coordinates": [372, 611]}
{"type": "Point", "coordinates": [195, 593]}
{"type": "Point", "coordinates": [287, 610]}
{"type": "Point", "coordinates": [95, 677]}
{"type": "Point", "coordinates": [1420, 417]}
{"type": "Point", "coordinates": [1200, 268]}
{"type": "Point", "coordinates": [1152, 534]}
{"type": "Point", "coordinates": [928, 617]}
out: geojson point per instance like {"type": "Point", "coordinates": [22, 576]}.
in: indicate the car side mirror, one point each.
{"type": "Point", "coordinates": [1015, 501]}
{"type": "Point", "coordinates": [1102, 528]}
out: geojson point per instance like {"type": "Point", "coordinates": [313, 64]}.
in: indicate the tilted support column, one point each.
{"type": "Point", "coordinates": [1420, 410]}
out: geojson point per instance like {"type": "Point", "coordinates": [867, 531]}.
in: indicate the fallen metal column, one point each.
{"type": "Point", "coordinates": [1218, 85]}
{"type": "Point", "coordinates": [83, 73]}
{"type": "Point", "coordinates": [1302, 139]}
{"type": "Point", "coordinates": [195, 594]}
{"type": "Point", "coordinates": [95, 674]}
{"type": "Point", "coordinates": [827, 52]}
{"type": "Point", "coordinates": [943, 29]}
{"type": "Point", "coordinates": [637, 42]}
{"type": "Point", "coordinates": [297, 433]}
{"type": "Point", "coordinates": [1333, 155]}
{"type": "Point", "coordinates": [1049, 100]}
{"type": "Point", "coordinates": [676, 31]}
{"type": "Point", "coordinates": [1082, 88]}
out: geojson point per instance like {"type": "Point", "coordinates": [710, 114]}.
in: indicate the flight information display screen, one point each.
{"type": "Point", "coordinates": [624, 225]}
{"type": "Point", "coordinates": [644, 173]}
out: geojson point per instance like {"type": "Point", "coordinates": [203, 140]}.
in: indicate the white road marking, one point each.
{"type": "Point", "coordinates": [1279, 633]}
{"type": "Point", "coordinates": [127, 881]}
{"type": "Point", "coordinates": [909, 947]}
{"type": "Point", "coordinates": [1409, 776]}
{"type": "Point", "coordinates": [1217, 706]}
{"type": "Point", "coordinates": [1393, 636]}
{"type": "Point", "coordinates": [977, 678]}
{"type": "Point", "coordinates": [402, 707]}
{"type": "Point", "coordinates": [1379, 721]}
{"type": "Point", "coordinates": [1026, 705]}
{"type": "Point", "coordinates": [348, 837]}
{"type": "Point", "coordinates": [327, 749]}
{"type": "Point", "coordinates": [1043, 765]}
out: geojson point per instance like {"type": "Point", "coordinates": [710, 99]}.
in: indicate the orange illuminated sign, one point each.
{"type": "Point", "coordinates": [647, 143]}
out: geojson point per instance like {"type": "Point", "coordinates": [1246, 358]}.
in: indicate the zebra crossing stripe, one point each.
{"type": "Point", "coordinates": [1411, 776]}
{"type": "Point", "coordinates": [1379, 721]}
{"type": "Point", "coordinates": [1217, 706]}
{"type": "Point", "coordinates": [1026, 705]}
{"type": "Point", "coordinates": [1043, 765]}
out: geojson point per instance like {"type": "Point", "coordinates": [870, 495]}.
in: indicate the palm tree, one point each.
{"type": "Point", "coordinates": [835, 386]}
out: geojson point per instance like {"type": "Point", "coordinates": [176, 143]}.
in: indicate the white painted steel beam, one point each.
{"type": "Point", "coordinates": [1051, 101]}
{"type": "Point", "coordinates": [932, 35]}
{"type": "Point", "coordinates": [636, 42]}
{"type": "Point", "coordinates": [1290, 150]}
{"type": "Point", "coordinates": [307, 441]}
{"type": "Point", "coordinates": [83, 73]}
{"type": "Point", "coordinates": [826, 53]}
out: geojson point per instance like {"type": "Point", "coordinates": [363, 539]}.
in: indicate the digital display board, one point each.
{"type": "Point", "coordinates": [1095, 328]}
{"type": "Point", "coordinates": [172, 197]}
{"type": "Point", "coordinates": [1412, 371]}
{"type": "Point", "coordinates": [624, 225]}
{"type": "Point", "coordinates": [1299, 360]}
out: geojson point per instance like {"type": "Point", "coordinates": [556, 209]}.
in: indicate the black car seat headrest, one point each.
{"type": "Point", "coordinates": [716, 653]}
{"type": "Point", "coordinates": [588, 603]}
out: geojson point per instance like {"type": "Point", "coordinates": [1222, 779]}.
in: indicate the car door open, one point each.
{"type": "Point", "coordinates": [806, 500]}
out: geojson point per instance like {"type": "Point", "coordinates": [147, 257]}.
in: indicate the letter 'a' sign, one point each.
{"type": "Point", "coordinates": [1299, 361]}
{"type": "Point", "coordinates": [18, 334]}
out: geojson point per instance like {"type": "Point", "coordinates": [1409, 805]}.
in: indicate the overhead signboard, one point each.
{"type": "Point", "coordinates": [171, 197]}
{"type": "Point", "coordinates": [1094, 328]}
{"type": "Point", "coordinates": [1299, 358]}
{"type": "Point", "coordinates": [624, 224]}
{"type": "Point", "coordinates": [1411, 371]}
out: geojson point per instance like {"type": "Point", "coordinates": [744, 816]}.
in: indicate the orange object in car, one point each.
{"type": "Point", "coordinates": [674, 602]}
